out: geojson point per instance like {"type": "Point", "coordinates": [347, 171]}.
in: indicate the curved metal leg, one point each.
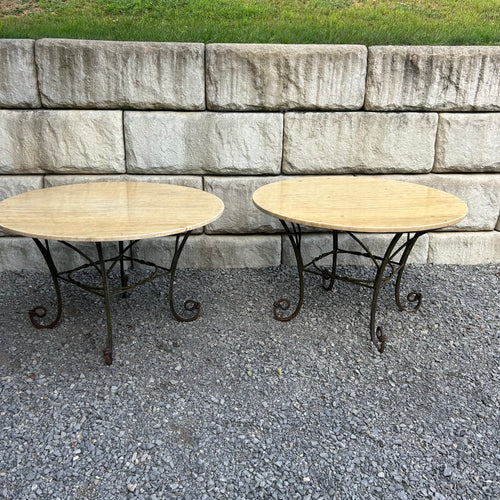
{"type": "Point", "coordinates": [295, 237]}
{"type": "Point", "coordinates": [378, 337]}
{"type": "Point", "coordinates": [108, 351]}
{"type": "Point", "coordinates": [412, 297]}
{"type": "Point", "coordinates": [189, 305]}
{"type": "Point", "coordinates": [40, 311]}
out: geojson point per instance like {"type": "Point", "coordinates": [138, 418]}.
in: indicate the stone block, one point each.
{"type": "Point", "coordinates": [468, 143]}
{"type": "Point", "coordinates": [314, 245]}
{"type": "Point", "coordinates": [12, 185]}
{"type": "Point", "coordinates": [464, 248]}
{"type": "Point", "coordinates": [181, 180]}
{"type": "Point", "coordinates": [198, 143]}
{"type": "Point", "coordinates": [243, 77]}
{"type": "Point", "coordinates": [86, 142]}
{"type": "Point", "coordinates": [433, 78]}
{"type": "Point", "coordinates": [481, 193]}
{"type": "Point", "coordinates": [207, 252]}
{"type": "Point", "coordinates": [336, 143]}
{"type": "Point", "coordinates": [109, 74]}
{"type": "Point", "coordinates": [18, 81]}
{"type": "Point", "coordinates": [18, 253]}
{"type": "Point", "coordinates": [240, 214]}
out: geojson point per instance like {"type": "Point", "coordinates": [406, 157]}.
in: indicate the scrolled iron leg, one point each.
{"type": "Point", "coordinates": [40, 311]}
{"type": "Point", "coordinates": [108, 351]}
{"type": "Point", "coordinates": [413, 297]}
{"type": "Point", "coordinates": [295, 237]}
{"type": "Point", "coordinates": [191, 306]}
{"type": "Point", "coordinates": [378, 337]}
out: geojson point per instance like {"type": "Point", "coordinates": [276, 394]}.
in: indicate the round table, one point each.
{"type": "Point", "coordinates": [105, 212]}
{"type": "Point", "coordinates": [358, 205]}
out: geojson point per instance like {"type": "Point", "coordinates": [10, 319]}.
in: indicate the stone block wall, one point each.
{"type": "Point", "coordinates": [229, 118]}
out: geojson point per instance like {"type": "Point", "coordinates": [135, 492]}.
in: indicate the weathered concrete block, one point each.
{"type": "Point", "coordinates": [18, 253]}
{"type": "Point", "coordinates": [433, 78]}
{"type": "Point", "coordinates": [61, 141]}
{"type": "Point", "coordinates": [18, 81]}
{"type": "Point", "coordinates": [480, 192]}
{"type": "Point", "coordinates": [468, 143]}
{"type": "Point", "coordinates": [274, 77]}
{"type": "Point", "coordinates": [12, 185]}
{"type": "Point", "coordinates": [106, 74]}
{"type": "Point", "coordinates": [197, 143]}
{"type": "Point", "coordinates": [181, 180]}
{"type": "Point", "coordinates": [240, 214]}
{"type": "Point", "coordinates": [334, 143]}
{"type": "Point", "coordinates": [464, 248]}
{"type": "Point", "coordinates": [314, 245]}
{"type": "Point", "coordinates": [206, 252]}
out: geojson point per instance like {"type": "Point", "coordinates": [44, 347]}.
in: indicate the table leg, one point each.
{"type": "Point", "coordinates": [377, 335]}
{"type": "Point", "coordinates": [295, 236]}
{"type": "Point", "coordinates": [123, 276]}
{"type": "Point", "coordinates": [191, 306]}
{"type": "Point", "coordinates": [108, 351]}
{"type": "Point", "coordinates": [40, 311]}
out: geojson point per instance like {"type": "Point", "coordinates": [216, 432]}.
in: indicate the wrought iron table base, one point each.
{"type": "Point", "coordinates": [393, 261]}
{"type": "Point", "coordinates": [104, 266]}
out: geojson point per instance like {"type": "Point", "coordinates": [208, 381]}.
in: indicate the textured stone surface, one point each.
{"type": "Point", "coordinates": [18, 82]}
{"type": "Point", "coordinates": [464, 248]}
{"type": "Point", "coordinates": [181, 180]}
{"type": "Point", "coordinates": [12, 185]}
{"type": "Point", "coordinates": [108, 74]}
{"type": "Point", "coordinates": [61, 142]}
{"type": "Point", "coordinates": [196, 143]}
{"type": "Point", "coordinates": [433, 78]}
{"type": "Point", "coordinates": [273, 77]}
{"type": "Point", "coordinates": [323, 143]}
{"type": "Point", "coordinates": [313, 245]}
{"type": "Point", "coordinates": [468, 143]}
{"type": "Point", "coordinates": [481, 193]}
{"type": "Point", "coordinates": [240, 214]}
{"type": "Point", "coordinates": [18, 253]}
{"type": "Point", "coordinates": [204, 252]}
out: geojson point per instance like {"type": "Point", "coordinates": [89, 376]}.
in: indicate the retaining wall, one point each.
{"type": "Point", "coordinates": [229, 118]}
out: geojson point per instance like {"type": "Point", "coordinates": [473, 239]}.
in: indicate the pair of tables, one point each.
{"type": "Point", "coordinates": [132, 211]}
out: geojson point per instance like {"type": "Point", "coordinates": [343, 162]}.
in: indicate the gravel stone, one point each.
{"type": "Point", "coordinates": [199, 410]}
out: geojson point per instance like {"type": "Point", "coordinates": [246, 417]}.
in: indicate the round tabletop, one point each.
{"type": "Point", "coordinates": [108, 211]}
{"type": "Point", "coordinates": [361, 204]}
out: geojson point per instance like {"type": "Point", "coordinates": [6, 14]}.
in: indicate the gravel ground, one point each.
{"type": "Point", "coordinates": [237, 405]}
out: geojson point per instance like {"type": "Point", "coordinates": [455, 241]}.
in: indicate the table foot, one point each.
{"type": "Point", "coordinates": [108, 356]}
{"type": "Point", "coordinates": [295, 236]}
{"type": "Point", "coordinates": [379, 339]}
{"type": "Point", "coordinates": [39, 312]}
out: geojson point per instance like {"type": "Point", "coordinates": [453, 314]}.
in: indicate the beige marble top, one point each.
{"type": "Point", "coordinates": [108, 211]}
{"type": "Point", "coordinates": [362, 204]}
